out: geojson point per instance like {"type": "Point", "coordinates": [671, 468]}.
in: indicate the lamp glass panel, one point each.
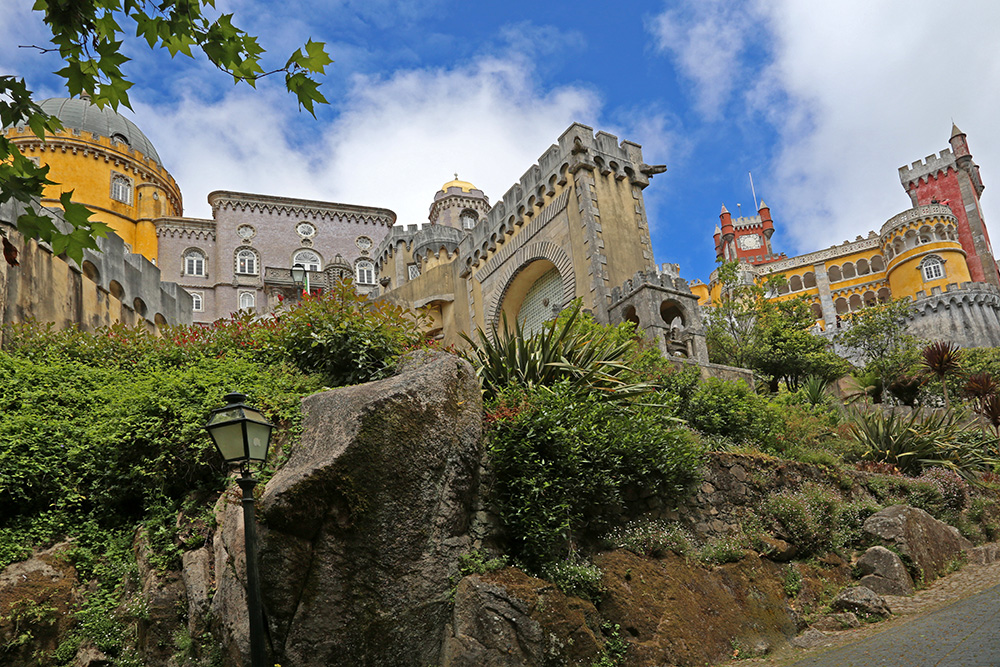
{"type": "Point", "coordinates": [229, 439]}
{"type": "Point", "coordinates": [258, 437]}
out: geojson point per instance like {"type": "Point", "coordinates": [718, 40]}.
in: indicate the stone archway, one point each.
{"type": "Point", "coordinates": [526, 266]}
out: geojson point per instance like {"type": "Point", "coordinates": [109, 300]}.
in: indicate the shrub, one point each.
{"type": "Point", "coordinates": [651, 537]}
{"type": "Point", "coordinates": [562, 463]}
{"type": "Point", "coordinates": [729, 408]}
{"type": "Point", "coordinates": [815, 519]}
{"type": "Point", "coordinates": [574, 576]}
{"type": "Point", "coordinates": [722, 550]}
{"type": "Point", "coordinates": [953, 489]}
{"type": "Point", "coordinates": [585, 356]}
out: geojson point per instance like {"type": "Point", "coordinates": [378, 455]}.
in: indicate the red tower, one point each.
{"type": "Point", "coordinates": [748, 239]}
{"type": "Point", "coordinates": [952, 178]}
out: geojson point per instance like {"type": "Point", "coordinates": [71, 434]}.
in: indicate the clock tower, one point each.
{"type": "Point", "coordinates": [746, 239]}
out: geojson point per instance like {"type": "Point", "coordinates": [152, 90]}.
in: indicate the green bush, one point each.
{"type": "Point", "coordinates": [563, 460]}
{"type": "Point", "coordinates": [816, 519]}
{"type": "Point", "coordinates": [570, 350]}
{"type": "Point", "coordinates": [576, 577]}
{"type": "Point", "coordinates": [651, 537]}
{"type": "Point", "coordinates": [722, 550]}
{"type": "Point", "coordinates": [731, 409]}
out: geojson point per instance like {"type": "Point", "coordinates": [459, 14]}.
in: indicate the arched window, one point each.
{"type": "Point", "coordinates": [932, 268]}
{"type": "Point", "coordinates": [365, 272]}
{"type": "Point", "coordinates": [469, 219]}
{"type": "Point", "coordinates": [197, 302]}
{"type": "Point", "coordinates": [309, 260]}
{"type": "Point", "coordinates": [246, 262]}
{"type": "Point", "coordinates": [121, 188]}
{"type": "Point", "coordinates": [247, 300]}
{"type": "Point", "coordinates": [194, 263]}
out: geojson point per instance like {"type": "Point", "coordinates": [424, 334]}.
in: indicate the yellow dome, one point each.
{"type": "Point", "coordinates": [465, 185]}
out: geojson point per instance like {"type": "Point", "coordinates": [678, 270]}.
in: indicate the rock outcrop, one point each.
{"type": "Point", "coordinates": [37, 597]}
{"type": "Point", "coordinates": [884, 572]}
{"type": "Point", "coordinates": [928, 545]}
{"type": "Point", "coordinates": [362, 527]}
{"type": "Point", "coordinates": [508, 619]}
{"type": "Point", "coordinates": [861, 601]}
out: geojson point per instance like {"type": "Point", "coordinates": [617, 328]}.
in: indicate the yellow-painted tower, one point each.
{"type": "Point", "coordinates": [110, 164]}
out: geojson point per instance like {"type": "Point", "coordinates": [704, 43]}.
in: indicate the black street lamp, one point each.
{"type": "Point", "coordinates": [301, 277]}
{"type": "Point", "coordinates": [242, 435]}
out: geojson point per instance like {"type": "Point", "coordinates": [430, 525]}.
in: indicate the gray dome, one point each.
{"type": "Point", "coordinates": [78, 114]}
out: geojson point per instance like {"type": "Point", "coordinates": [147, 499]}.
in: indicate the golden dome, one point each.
{"type": "Point", "coordinates": [465, 185]}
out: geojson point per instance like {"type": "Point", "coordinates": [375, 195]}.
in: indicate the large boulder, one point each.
{"type": "Point", "coordinates": [508, 619]}
{"type": "Point", "coordinates": [927, 544]}
{"type": "Point", "coordinates": [363, 526]}
{"type": "Point", "coordinates": [884, 572]}
{"type": "Point", "coordinates": [861, 601]}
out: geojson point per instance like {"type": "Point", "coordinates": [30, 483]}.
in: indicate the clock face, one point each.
{"type": "Point", "coordinates": [750, 242]}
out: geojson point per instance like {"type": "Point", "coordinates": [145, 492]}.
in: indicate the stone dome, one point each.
{"type": "Point", "coordinates": [81, 114]}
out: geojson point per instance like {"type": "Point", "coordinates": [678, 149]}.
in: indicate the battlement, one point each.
{"type": "Point", "coordinates": [915, 215]}
{"type": "Point", "coordinates": [577, 148]}
{"type": "Point", "coordinates": [130, 278]}
{"type": "Point", "coordinates": [929, 166]}
{"type": "Point", "coordinates": [669, 279]}
{"type": "Point", "coordinates": [748, 222]}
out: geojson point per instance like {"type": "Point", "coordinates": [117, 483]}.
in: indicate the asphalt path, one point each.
{"type": "Point", "coordinates": [965, 633]}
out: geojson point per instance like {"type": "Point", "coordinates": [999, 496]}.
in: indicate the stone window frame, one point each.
{"type": "Point", "coordinates": [369, 271]}
{"type": "Point", "coordinates": [187, 258]}
{"type": "Point", "coordinates": [121, 188]}
{"type": "Point", "coordinates": [247, 300]}
{"type": "Point", "coordinates": [463, 218]}
{"type": "Point", "coordinates": [931, 264]}
{"type": "Point", "coordinates": [319, 259]}
{"type": "Point", "coordinates": [246, 262]}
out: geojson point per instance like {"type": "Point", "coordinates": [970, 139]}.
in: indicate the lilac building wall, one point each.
{"type": "Point", "coordinates": [273, 230]}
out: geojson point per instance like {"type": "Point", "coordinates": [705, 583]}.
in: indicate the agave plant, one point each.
{"type": "Point", "coordinates": [560, 351]}
{"type": "Point", "coordinates": [914, 442]}
{"type": "Point", "coordinates": [940, 359]}
{"type": "Point", "coordinates": [814, 389]}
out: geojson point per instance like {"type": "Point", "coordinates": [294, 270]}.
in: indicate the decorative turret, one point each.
{"type": "Point", "coordinates": [459, 204]}
{"type": "Point", "coordinates": [765, 218]}
{"type": "Point", "coordinates": [959, 145]}
{"type": "Point", "coordinates": [718, 242]}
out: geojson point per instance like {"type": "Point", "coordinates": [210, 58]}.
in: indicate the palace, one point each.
{"type": "Point", "coordinates": [937, 254]}
{"type": "Point", "coordinates": [572, 227]}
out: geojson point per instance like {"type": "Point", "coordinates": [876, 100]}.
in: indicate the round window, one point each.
{"type": "Point", "coordinates": [245, 231]}
{"type": "Point", "coordinates": [305, 229]}
{"type": "Point", "coordinates": [364, 242]}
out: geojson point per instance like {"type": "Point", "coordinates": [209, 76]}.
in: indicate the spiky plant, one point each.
{"type": "Point", "coordinates": [814, 389]}
{"type": "Point", "coordinates": [991, 411]}
{"type": "Point", "coordinates": [940, 359]}
{"type": "Point", "coordinates": [561, 350]}
{"type": "Point", "coordinates": [977, 387]}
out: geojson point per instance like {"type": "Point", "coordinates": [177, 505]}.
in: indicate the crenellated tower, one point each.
{"type": "Point", "coordinates": [748, 239]}
{"type": "Point", "coordinates": [952, 178]}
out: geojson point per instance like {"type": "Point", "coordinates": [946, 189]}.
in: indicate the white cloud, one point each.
{"type": "Point", "coordinates": [854, 89]}
{"type": "Point", "coordinates": [705, 39]}
{"type": "Point", "coordinates": [395, 142]}
{"type": "Point", "coordinates": [869, 87]}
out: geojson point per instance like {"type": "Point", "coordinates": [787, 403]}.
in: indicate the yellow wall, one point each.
{"type": "Point", "coordinates": [86, 166]}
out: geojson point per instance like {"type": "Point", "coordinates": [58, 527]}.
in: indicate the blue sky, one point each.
{"type": "Point", "coordinates": [821, 101]}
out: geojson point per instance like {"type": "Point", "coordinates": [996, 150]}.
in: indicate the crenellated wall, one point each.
{"type": "Point", "coordinates": [110, 286]}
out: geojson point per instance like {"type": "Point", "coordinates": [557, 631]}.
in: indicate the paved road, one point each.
{"type": "Point", "coordinates": [963, 634]}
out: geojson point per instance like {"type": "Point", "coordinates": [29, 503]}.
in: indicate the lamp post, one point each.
{"type": "Point", "coordinates": [301, 277]}
{"type": "Point", "coordinates": [243, 435]}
